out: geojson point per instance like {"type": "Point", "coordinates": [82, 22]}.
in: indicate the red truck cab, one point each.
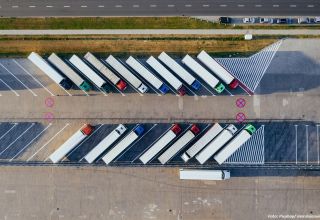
{"type": "Point", "coordinates": [122, 85]}
{"type": "Point", "coordinates": [176, 129]}
{"type": "Point", "coordinates": [195, 129]}
{"type": "Point", "coordinates": [87, 129]}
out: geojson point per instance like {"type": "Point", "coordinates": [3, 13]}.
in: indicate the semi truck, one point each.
{"type": "Point", "coordinates": [160, 144]}
{"type": "Point", "coordinates": [202, 142]}
{"type": "Point", "coordinates": [89, 73]}
{"type": "Point", "coordinates": [219, 70]}
{"type": "Point", "coordinates": [123, 144]}
{"type": "Point", "coordinates": [235, 144]}
{"type": "Point", "coordinates": [179, 70]}
{"type": "Point", "coordinates": [179, 144]}
{"type": "Point", "coordinates": [216, 144]}
{"type": "Point", "coordinates": [105, 143]}
{"type": "Point", "coordinates": [167, 75]}
{"type": "Point", "coordinates": [124, 72]}
{"type": "Point", "coordinates": [204, 74]}
{"type": "Point", "coordinates": [114, 79]}
{"type": "Point", "coordinates": [146, 74]}
{"type": "Point", "coordinates": [43, 65]}
{"type": "Point", "coordinates": [186, 174]}
{"type": "Point", "coordinates": [69, 72]}
{"type": "Point", "coordinates": [71, 143]}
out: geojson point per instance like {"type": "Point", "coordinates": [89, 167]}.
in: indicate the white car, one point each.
{"type": "Point", "coordinates": [317, 20]}
{"type": "Point", "coordinates": [248, 20]}
{"type": "Point", "coordinates": [266, 20]}
{"type": "Point", "coordinates": [303, 20]}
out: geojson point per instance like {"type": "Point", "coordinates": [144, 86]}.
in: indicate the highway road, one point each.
{"type": "Point", "coordinates": [20, 8]}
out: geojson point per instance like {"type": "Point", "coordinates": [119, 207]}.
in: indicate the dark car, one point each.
{"type": "Point", "coordinates": [224, 20]}
{"type": "Point", "coordinates": [282, 21]}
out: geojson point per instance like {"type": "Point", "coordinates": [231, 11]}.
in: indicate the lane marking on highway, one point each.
{"type": "Point", "coordinates": [118, 6]}
{"type": "Point", "coordinates": [153, 6]}
{"type": "Point", "coordinates": [275, 6]}
{"type": "Point", "coordinates": [293, 6]}
{"type": "Point", "coordinates": [318, 144]}
{"type": "Point", "coordinates": [18, 79]}
{"type": "Point", "coordinates": [171, 6]}
{"type": "Point", "coordinates": [205, 6]}
{"type": "Point", "coordinates": [310, 6]}
{"type": "Point", "coordinates": [136, 141]}
{"type": "Point", "coordinates": [82, 142]}
{"type": "Point", "coordinates": [307, 142]}
{"type": "Point", "coordinates": [240, 6]}
{"type": "Point", "coordinates": [32, 6]}
{"type": "Point", "coordinates": [100, 6]}
{"type": "Point", "coordinates": [15, 6]}
{"type": "Point", "coordinates": [188, 6]}
{"type": "Point", "coordinates": [84, 6]}
{"type": "Point", "coordinates": [258, 6]}
{"type": "Point", "coordinates": [31, 141]}
{"type": "Point", "coordinates": [136, 6]}
{"type": "Point", "coordinates": [223, 6]}
{"type": "Point", "coordinates": [296, 129]}
{"type": "Point", "coordinates": [35, 79]}
{"type": "Point", "coordinates": [12, 90]}
{"type": "Point", "coordinates": [66, 6]}
{"type": "Point", "coordinates": [49, 6]}
{"type": "Point", "coordinates": [15, 124]}
{"type": "Point", "coordinates": [17, 138]}
{"type": "Point", "coordinates": [66, 125]}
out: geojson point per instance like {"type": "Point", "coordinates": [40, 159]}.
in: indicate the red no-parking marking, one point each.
{"type": "Point", "coordinates": [49, 116]}
{"type": "Point", "coordinates": [240, 103]}
{"type": "Point", "coordinates": [49, 102]}
{"type": "Point", "coordinates": [240, 117]}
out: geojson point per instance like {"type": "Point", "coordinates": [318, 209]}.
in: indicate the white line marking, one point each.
{"type": "Point", "coordinates": [100, 6]}
{"type": "Point", "coordinates": [32, 6]}
{"type": "Point", "coordinates": [35, 79]}
{"type": "Point", "coordinates": [15, 6]}
{"type": "Point", "coordinates": [188, 6]}
{"type": "Point", "coordinates": [296, 128]}
{"type": "Point", "coordinates": [205, 6]}
{"type": "Point", "coordinates": [275, 6]}
{"type": "Point", "coordinates": [293, 6]}
{"type": "Point", "coordinates": [118, 6]}
{"type": "Point", "coordinates": [48, 142]}
{"type": "Point", "coordinates": [18, 79]}
{"type": "Point", "coordinates": [258, 6]}
{"type": "Point", "coordinates": [307, 142]}
{"type": "Point", "coordinates": [64, 90]}
{"type": "Point", "coordinates": [240, 6]}
{"type": "Point", "coordinates": [171, 6]}
{"type": "Point", "coordinates": [49, 6]}
{"type": "Point", "coordinates": [318, 143]}
{"type": "Point", "coordinates": [136, 6]}
{"type": "Point", "coordinates": [12, 90]}
{"type": "Point", "coordinates": [153, 6]}
{"type": "Point", "coordinates": [83, 6]}
{"type": "Point", "coordinates": [208, 90]}
{"type": "Point", "coordinates": [244, 90]}
{"type": "Point", "coordinates": [223, 6]}
{"type": "Point", "coordinates": [18, 138]}
{"type": "Point", "coordinates": [82, 142]}
{"type": "Point", "coordinates": [310, 6]}
{"type": "Point", "coordinates": [15, 124]}
{"type": "Point", "coordinates": [228, 91]}
{"type": "Point", "coordinates": [66, 6]}
{"type": "Point", "coordinates": [31, 141]}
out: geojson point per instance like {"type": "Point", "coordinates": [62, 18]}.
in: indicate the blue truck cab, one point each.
{"type": "Point", "coordinates": [196, 85]}
{"type": "Point", "coordinates": [164, 88]}
{"type": "Point", "coordinates": [139, 130]}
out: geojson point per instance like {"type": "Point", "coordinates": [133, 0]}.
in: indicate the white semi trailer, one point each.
{"type": "Point", "coordinates": [219, 70]}
{"type": "Point", "coordinates": [125, 73]}
{"type": "Point", "coordinates": [147, 75]}
{"type": "Point", "coordinates": [69, 72]}
{"type": "Point", "coordinates": [89, 73]}
{"type": "Point", "coordinates": [43, 65]}
{"type": "Point", "coordinates": [202, 142]}
{"type": "Point", "coordinates": [160, 144]}
{"type": "Point", "coordinates": [212, 81]}
{"type": "Point", "coordinates": [179, 144]}
{"type": "Point", "coordinates": [186, 174]}
{"type": "Point", "coordinates": [167, 75]}
{"type": "Point", "coordinates": [235, 144]}
{"type": "Point", "coordinates": [105, 143]}
{"type": "Point", "coordinates": [179, 70]}
{"type": "Point", "coordinates": [96, 63]}
{"type": "Point", "coordinates": [216, 144]}
{"type": "Point", "coordinates": [71, 143]}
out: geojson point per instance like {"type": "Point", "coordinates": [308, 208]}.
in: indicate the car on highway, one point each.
{"type": "Point", "coordinates": [282, 21]}
{"type": "Point", "coordinates": [248, 20]}
{"type": "Point", "coordinates": [224, 20]}
{"type": "Point", "coordinates": [265, 20]}
{"type": "Point", "coordinates": [304, 20]}
{"type": "Point", "coordinates": [317, 20]}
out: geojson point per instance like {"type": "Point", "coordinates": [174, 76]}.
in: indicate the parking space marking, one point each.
{"type": "Point", "coordinates": [136, 141]}
{"type": "Point", "coordinates": [228, 92]}
{"type": "Point", "coordinates": [15, 124]}
{"type": "Point", "coordinates": [318, 143]}
{"type": "Point", "coordinates": [307, 142]}
{"type": "Point", "coordinates": [12, 90]}
{"type": "Point", "coordinates": [64, 89]}
{"type": "Point", "coordinates": [18, 79]}
{"type": "Point", "coordinates": [296, 129]}
{"type": "Point", "coordinates": [18, 138]}
{"type": "Point", "coordinates": [208, 90]}
{"type": "Point", "coordinates": [48, 142]}
{"type": "Point", "coordinates": [245, 90]}
{"type": "Point", "coordinates": [35, 79]}
{"type": "Point", "coordinates": [31, 141]}
{"type": "Point", "coordinates": [82, 142]}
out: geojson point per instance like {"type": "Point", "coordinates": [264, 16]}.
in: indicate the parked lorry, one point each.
{"type": "Point", "coordinates": [179, 144]}
{"type": "Point", "coordinates": [124, 72]}
{"type": "Point", "coordinates": [235, 144]}
{"type": "Point", "coordinates": [179, 70]}
{"type": "Point", "coordinates": [123, 144]}
{"type": "Point", "coordinates": [43, 65]}
{"type": "Point", "coordinates": [186, 174]}
{"type": "Point", "coordinates": [204, 74]}
{"type": "Point", "coordinates": [167, 75]}
{"type": "Point", "coordinates": [114, 79]}
{"type": "Point", "coordinates": [105, 143]}
{"type": "Point", "coordinates": [202, 142]}
{"type": "Point", "coordinates": [147, 75]}
{"type": "Point", "coordinates": [69, 72]}
{"type": "Point", "coordinates": [89, 73]}
{"type": "Point", "coordinates": [216, 144]}
{"type": "Point", "coordinates": [160, 144]}
{"type": "Point", "coordinates": [218, 69]}
{"type": "Point", "coordinates": [71, 143]}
